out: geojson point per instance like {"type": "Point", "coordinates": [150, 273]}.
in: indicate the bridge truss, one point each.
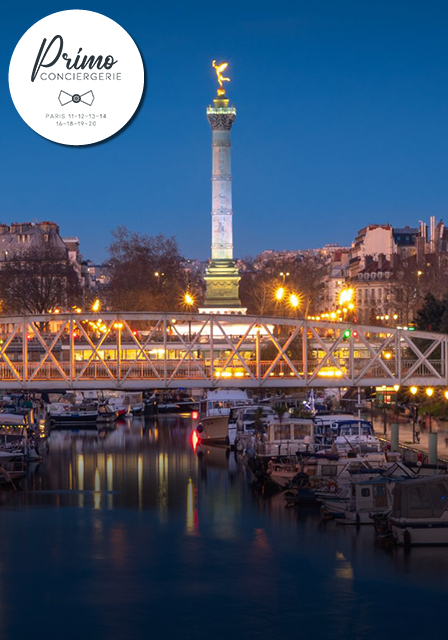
{"type": "Point", "coordinates": [182, 350]}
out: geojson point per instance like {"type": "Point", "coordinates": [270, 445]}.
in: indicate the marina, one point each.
{"type": "Point", "coordinates": [143, 524]}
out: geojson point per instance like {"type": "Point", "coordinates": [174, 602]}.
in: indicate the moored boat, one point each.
{"type": "Point", "coordinates": [213, 427]}
{"type": "Point", "coordinates": [419, 513]}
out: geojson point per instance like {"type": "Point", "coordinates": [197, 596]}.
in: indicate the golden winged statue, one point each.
{"type": "Point", "coordinates": [219, 68]}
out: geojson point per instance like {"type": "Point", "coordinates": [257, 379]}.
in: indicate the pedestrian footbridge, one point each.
{"type": "Point", "coordinates": [184, 350]}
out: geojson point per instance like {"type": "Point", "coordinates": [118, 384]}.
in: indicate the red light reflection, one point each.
{"type": "Point", "coordinates": [194, 440]}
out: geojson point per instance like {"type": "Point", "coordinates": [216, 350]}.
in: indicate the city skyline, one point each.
{"type": "Point", "coordinates": [324, 149]}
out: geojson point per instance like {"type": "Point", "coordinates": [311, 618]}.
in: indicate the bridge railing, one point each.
{"type": "Point", "coordinates": [157, 349]}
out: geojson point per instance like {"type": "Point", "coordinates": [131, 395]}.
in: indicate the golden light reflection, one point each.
{"type": "Point", "coordinates": [344, 569]}
{"type": "Point", "coordinates": [140, 480]}
{"type": "Point", "coordinates": [97, 492]}
{"type": "Point", "coordinates": [191, 514]}
{"type": "Point", "coordinates": [80, 465]}
{"type": "Point", "coordinates": [80, 472]}
{"type": "Point", "coordinates": [162, 493]}
{"type": "Point", "coordinates": [110, 480]}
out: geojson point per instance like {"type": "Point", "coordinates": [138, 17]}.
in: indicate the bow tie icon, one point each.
{"type": "Point", "coordinates": [64, 98]}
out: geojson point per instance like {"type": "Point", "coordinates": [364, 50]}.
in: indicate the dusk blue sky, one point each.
{"type": "Point", "coordinates": [342, 120]}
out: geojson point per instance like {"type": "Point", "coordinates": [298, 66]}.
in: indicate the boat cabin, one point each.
{"type": "Point", "coordinates": [288, 437]}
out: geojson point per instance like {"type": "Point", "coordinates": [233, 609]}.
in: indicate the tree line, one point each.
{"type": "Point", "coordinates": [148, 273]}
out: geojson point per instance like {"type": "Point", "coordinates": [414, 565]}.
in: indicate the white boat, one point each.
{"type": "Point", "coordinates": [419, 514]}
{"type": "Point", "coordinates": [125, 402]}
{"type": "Point", "coordinates": [369, 497]}
{"type": "Point", "coordinates": [329, 474]}
{"type": "Point", "coordinates": [106, 413]}
{"type": "Point", "coordinates": [244, 422]}
{"type": "Point", "coordinates": [356, 435]}
{"type": "Point", "coordinates": [66, 414]}
{"type": "Point", "coordinates": [287, 437]}
{"type": "Point", "coordinates": [213, 427]}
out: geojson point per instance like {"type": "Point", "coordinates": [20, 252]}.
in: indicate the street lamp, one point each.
{"type": "Point", "coordinates": [189, 302]}
{"type": "Point", "coordinates": [414, 391]}
{"type": "Point", "coordinates": [279, 294]}
{"type": "Point", "coordinates": [96, 305]}
{"type": "Point", "coordinates": [429, 393]}
{"type": "Point", "coordinates": [396, 389]}
{"type": "Point", "coordinates": [294, 300]}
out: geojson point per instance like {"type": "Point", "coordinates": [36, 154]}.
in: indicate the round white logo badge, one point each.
{"type": "Point", "coordinates": [76, 77]}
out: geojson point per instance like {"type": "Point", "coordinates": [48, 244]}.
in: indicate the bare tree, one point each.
{"type": "Point", "coordinates": [146, 273]}
{"type": "Point", "coordinates": [305, 277]}
{"type": "Point", "coordinates": [38, 280]}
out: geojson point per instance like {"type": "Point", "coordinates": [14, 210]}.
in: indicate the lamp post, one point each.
{"type": "Point", "coordinates": [414, 391]}
{"type": "Point", "coordinates": [429, 393]}
{"type": "Point", "coordinates": [189, 302]}
{"type": "Point", "coordinates": [396, 389]}
{"type": "Point", "coordinates": [119, 327]}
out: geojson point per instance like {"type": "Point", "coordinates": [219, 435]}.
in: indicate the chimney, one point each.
{"type": "Point", "coordinates": [432, 234]}
{"type": "Point", "coordinates": [381, 261]}
{"type": "Point", "coordinates": [394, 261]}
{"type": "Point", "coordinates": [49, 226]}
{"type": "Point", "coordinates": [420, 249]}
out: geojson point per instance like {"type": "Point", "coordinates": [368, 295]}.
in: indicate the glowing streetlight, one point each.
{"type": "Point", "coordinates": [346, 296]}
{"type": "Point", "coordinates": [189, 299]}
{"type": "Point", "coordinates": [413, 390]}
{"type": "Point", "coordinates": [294, 300]}
{"type": "Point", "coordinates": [279, 294]}
{"type": "Point", "coordinates": [429, 392]}
{"type": "Point", "coordinates": [396, 387]}
{"type": "Point", "coordinates": [446, 395]}
{"type": "Point", "coordinates": [96, 305]}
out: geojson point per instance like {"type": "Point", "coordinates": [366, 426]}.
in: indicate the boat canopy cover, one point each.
{"type": "Point", "coordinates": [422, 498]}
{"type": "Point", "coordinates": [7, 419]}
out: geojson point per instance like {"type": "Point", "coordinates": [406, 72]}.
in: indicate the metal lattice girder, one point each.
{"type": "Point", "coordinates": [138, 350]}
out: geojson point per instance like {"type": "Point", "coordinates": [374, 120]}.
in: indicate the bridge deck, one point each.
{"type": "Point", "coordinates": [160, 350]}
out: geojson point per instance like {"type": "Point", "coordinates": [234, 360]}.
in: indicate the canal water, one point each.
{"type": "Point", "coordinates": [130, 534]}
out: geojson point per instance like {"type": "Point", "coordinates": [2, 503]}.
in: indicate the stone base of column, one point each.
{"type": "Point", "coordinates": [222, 279]}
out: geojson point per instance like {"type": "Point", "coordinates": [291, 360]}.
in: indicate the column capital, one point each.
{"type": "Point", "coordinates": [221, 116]}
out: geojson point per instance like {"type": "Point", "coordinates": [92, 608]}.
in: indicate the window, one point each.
{"type": "Point", "coordinates": [301, 430]}
{"type": "Point", "coordinates": [380, 496]}
{"type": "Point", "coordinates": [365, 493]}
{"type": "Point", "coordinates": [282, 432]}
{"type": "Point", "coordinates": [418, 502]}
{"type": "Point", "coordinates": [329, 470]}
{"type": "Point", "coordinates": [438, 495]}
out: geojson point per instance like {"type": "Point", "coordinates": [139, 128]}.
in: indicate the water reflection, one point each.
{"type": "Point", "coordinates": [133, 531]}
